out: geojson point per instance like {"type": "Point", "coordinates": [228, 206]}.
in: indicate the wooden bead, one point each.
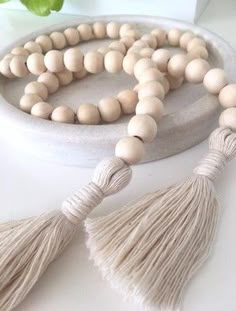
{"type": "Point", "coordinates": [198, 52]}
{"type": "Point", "coordinates": [160, 35]}
{"type": "Point", "coordinates": [215, 80]}
{"type": "Point", "coordinates": [45, 42]}
{"type": "Point", "coordinates": [143, 126]}
{"type": "Point", "coordinates": [65, 77]}
{"type": "Point", "coordinates": [128, 41]}
{"type": "Point", "coordinates": [141, 43]}
{"type": "Point", "coordinates": [33, 47]}
{"type": "Point", "coordinates": [58, 40]}
{"type": "Point", "coordinates": [20, 51]}
{"type": "Point", "coordinates": [174, 36]}
{"type": "Point", "coordinates": [151, 88]}
{"type": "Point", "coordinates": [129, 62]}
{"type": "Point", "coordinates": [85, 32]}
{"type": "Point", "coordinates": [8, 56]}
{"type": "Point", "coordinates": [151, 106]}
{"type": "Point", "coordinates": [109, 109]}
{"type": "Point", "coordinates": [113, 61]}
{"type": "Point", "coordinates": [130, 149]}
{"type": "Point", "coordinates": [177, 64]}
{"type": "Point", "coordinates": [72, 36]}
{"type": "Point", "coordinates": [80, 74]}
{"type": "Point", "coordinates": [27, 101]}
{"type": "Point", "coordinates": [150, 40]}
{"type": "Point", "coordinates": [5, 68]}
{"type": "Point", "coordinates": [166, 84]}
{"type": "Point", "coordinates": [185, 38]}
{"type": "Point", "coordinates": [37, 88]}
{"type": "Point", "coordinates": [73, 59]}
{"type": "Point", "coordinates": [99, 30]}
{"type": "Point", "coordinates": [113, 30]}
{"type": "Point", "coordinates": [93, 62]}
{"type": "Point", "coordinates": [42, 110]}
{"type": "Point", "coordinates": [35, 63]}
{"type": "Point", "coordinates": [18, 66]}
{"type": "Point", "coordinates": [227, 96]}
{"type": "Point", "coordinates": [128, 100]}
{"type": "Point", "coordinates": [53, 61]}
{"type": "Point", "coordinates": [63, 114]}
{"type": "Point", "coordinates": [228, 118]}
{"type": "Point", "coordinates": [151, 74]}
{"type": "Point", "coordinates": [174, 83]}
{"type": "Point", "coordinates": [88, 114]}
{"type": "Point", "coordinates": [50, 80]}
{"type": "Point", "coordinates": [124, 28]}
{"type": "Point", "coordinates": [196, 70]}
{"type": "Point", "coordinates": [134, 49]}
{"type": "Point", "coordinates": [161, 58]}
{"type": "Point", "coordinates": [195, 42]}
{"type": "Point", "coordinates": [118, 46]}
{"type": "Point", "coordinates": [134, 33]}
{"type": "Point", "coordinates": [103, 50]}
{"type": "Point", "coordinates": [146, 52]}
{"type": "Point", "coordinates": [141, 65]}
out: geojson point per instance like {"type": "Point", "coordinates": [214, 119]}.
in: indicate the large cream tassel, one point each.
{"type": "Point", "coordinates": [150, 249]}
{"type": "Point", "coordinates": [27, 247]}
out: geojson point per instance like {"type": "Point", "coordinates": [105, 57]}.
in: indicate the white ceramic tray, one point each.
{"type": "Point", "coordinates": [190, 114]}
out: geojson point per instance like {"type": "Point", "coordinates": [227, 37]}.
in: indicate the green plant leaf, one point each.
{"type": "Point", "coordinates": [43, 7]}
{"type": "Point", "coordinates": [3, 1]}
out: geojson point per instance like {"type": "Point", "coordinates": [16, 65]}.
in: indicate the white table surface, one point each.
{"type": "Point", "coordinates": [29, 186]}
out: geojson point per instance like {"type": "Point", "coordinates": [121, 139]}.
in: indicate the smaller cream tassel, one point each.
{"type": "Point", "coordinates": [27, 247]}
{"type": "Point", "coordinates": [150, 249]}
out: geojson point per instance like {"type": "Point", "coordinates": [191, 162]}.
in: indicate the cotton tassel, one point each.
{"type": "Point", "coordinates": [150, 249]}
{"type": "Point", "coordinates": [27, 247]}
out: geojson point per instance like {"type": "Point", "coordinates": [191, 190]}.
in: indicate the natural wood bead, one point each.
{"type": "Point", "coordinates": [85, 32]}
{"type": "Point", "coordinates": [161, 58]}
{"type": "Point", "coordinates": [72, 36]}
{"type": "Point", "coordinates": [5, 68]}
{"type": "Point", "coordinates": [118, 46]}
{"type": "Point", "coordinates": [88, 114]}
{"type": "Point", "coordinates": [99, 30]}
{"type": "Point", "coordinates": [63, 114]}
{"type": "Point", "coordinates": [20, 51]}
{"type": "Point", "coordinates": [141, 43]}
{"type": "Point", "coordinates": [228, 118]}
{"type": "Point", "coordinates": [33, 47]}
{"type": "Point", "coordinates": [103, 50]}
{"type": "Point", "coordinates": [174, 83]}
{"type": "Point", "coordinates": [196, 70]}
{"type": "Point", "coordinates": [185, 38]}
{"type": "Point", "coordinates": [73, 59]}
{"type": "Point", "coordinates": [227, 96]}
{"type": "Point", "coordinates": [146, 52]}
{"type": "Point", "coordinates": [215, 80]}
{"type": "Point", "coordinates": [27, 101]}
{"type": "Point", "coordinates": [198, 52]}
{"type": "Point", "coordinates": [160, 35]}
{"type": "Point", "coordinates": [65, 77]}
{"type": "Point", "coordinates": [113, 61]}
{"type": "Point", "coordinates": [130, 149]}
{"type": "Point", "coordinates": [93, 62]}
{"type": "Point", "coordinates": [128, 41]}
{"type": "Point", "coordinates": [109, 109]}
{"type": "Point", "coordinates": [151, 74]}
{"type": "Point", "coordinates": [35, 63]}
{"type": "Point", "coordinates": [128, 100]}
{"type": "Point", "coordinates": [129, 62]}
{"type": "Point", "coordinates": [42, 110]}
{"type": "Point", "coordinates": [8, 56]}
{"type": "Point", "coordinates": [58, 40]}
{"type": "Point", "coordinates": [151, 88]}
{"type": "Point", "coordinates": [141, 66]}
{"type": "Point", "coordinates": [150, 40]}
{"type": "Point", "coordinates": [45, 42]}
{"type": "Point", "coordinates": [18, 66]}
{"type": "Point", "coordinates": [80, 74]}
{"type": "Point", "coordinates": [134, 49]}
{"type": "Point", "coordinates": [50, 80]}
{"type": "Point", "coordinates": [177, 64]}
{"type": "Point", "coordinates": [37, 88]}
{"type": "Point", "coordinates": [124, 28]}
{"type": "Point", "coordinates": [143, 126]}
{"type": "Point", "coordinates": [53, 61]}
{"type": "Point", "coordinates": [166, 84]}
{"type": "Point", "coordinates": [174, 36]}
{"type": "Point", "coordinates": [151, 106]}
{"type": "Point", "coordinates": [195, 42]}
{"type": "Point", "coordinates": [113, 30]}
{"type": "Point", "coordinates": [134, 33]}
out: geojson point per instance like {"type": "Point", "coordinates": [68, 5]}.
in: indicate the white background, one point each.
{"type": "Point", "coordinates": [29, 186]}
